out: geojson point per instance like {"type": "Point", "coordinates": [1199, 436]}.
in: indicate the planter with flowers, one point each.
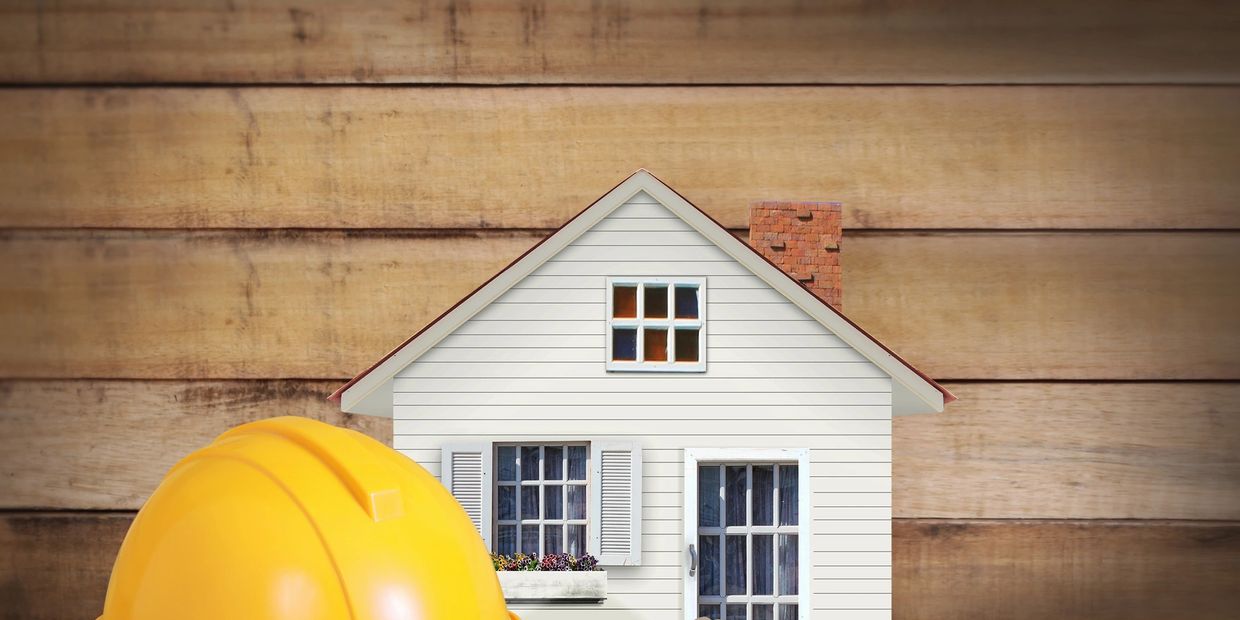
{"type": "Point", "coordinates": [556, 577]}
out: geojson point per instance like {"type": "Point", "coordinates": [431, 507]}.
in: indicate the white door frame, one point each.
{"type": "Point", "coordinates": [740, 455]}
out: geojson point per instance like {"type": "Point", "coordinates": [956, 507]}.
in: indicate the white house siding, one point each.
{"type": "Point", "coordinates": [531, 366]}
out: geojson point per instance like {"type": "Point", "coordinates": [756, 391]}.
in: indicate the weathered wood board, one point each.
{"type": "Point", "coordinates": [57, 566]}
{"type": "Point", "coordinates": [897, 157]}
{"type": "Point", "coordinates": [229, 304]}
{"type": "Point", "coordinates": [650, 41]}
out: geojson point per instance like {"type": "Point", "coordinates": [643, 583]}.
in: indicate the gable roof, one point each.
{"type": "Point", "coordinates": [913, 391]}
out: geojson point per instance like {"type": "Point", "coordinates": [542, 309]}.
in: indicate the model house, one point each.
{"type": "Point", "coordinates": [645, 387]}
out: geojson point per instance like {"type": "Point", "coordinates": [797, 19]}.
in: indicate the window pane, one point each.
{"type": "Point", "coordinates": [529, 539]}
{"type": "Point", "coordinates": [576, 462]}
{"type": "Point", "coordinates": [506, 540]}
{"type": "Point", "coordinates": [686, 345]}
{"type": "Point", "coordinates": [576, 540]}
{"type": "Point", "coordinates": [553, 538]}
{"type": "Point", "coordinates": [735, 495]}
{"type": "Point", "coordinates": [655, 349]}
{"type": "Point", "coordinates": [529, 462]}
{"type": "Point", "coordinates": [763, 612]}
{"type": "Point", "coordinates": [553, 502]}
{"type": "Point", "coordinates": [708, 562]}
{"type": "Point", "coordinates": [734, 559]}
{"type": "Point", "coordinates": [709, 611]}
{"type": "Point", "coordinates": [624, 345]}
{"type": "Point", "coordinates": [763, 565]}
{"type": "Point", "coordinates": [736, 612]}
{"type": "Point", "coordinates": [624, 302]}
{"type": "Point", "coordinates": [787, 612]}
{"type": "Point", "coordinates": [788, 504]}
{"type": "Point", "coordinates": [656, 301]}
{"type": "Point", "coordinates": [576, 501]}
{"type": "Point", "coordinates": [553, 463]}
{"type": "Point", "coordinates": [507, 463]}
{"type": "Point", "coordinates": [529, 502]}
{"type": "Point", "coordinates": [507, 503]}
{"type": "Point", "coordinates": [708, 495]}
{"type": "Point", "coordinates": [686, 302]}
{"type": "Point", "coordinates": [763, 495]}
{"type": "Point", "coordinates": [787, 563]}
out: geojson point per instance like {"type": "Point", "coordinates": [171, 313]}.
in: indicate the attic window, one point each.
{"type": "Point", "coordinates": [656, 324]}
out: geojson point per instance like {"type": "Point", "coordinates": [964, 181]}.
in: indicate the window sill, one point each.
{"type": "Point", "coordinates": [553, 586]}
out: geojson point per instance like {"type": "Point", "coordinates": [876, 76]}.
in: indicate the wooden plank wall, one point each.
{"type": "Point", "coordinates": [216, 213]}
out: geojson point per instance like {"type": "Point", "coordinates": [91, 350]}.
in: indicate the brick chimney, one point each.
{"type": "Point", "coordinates": [803, 239]}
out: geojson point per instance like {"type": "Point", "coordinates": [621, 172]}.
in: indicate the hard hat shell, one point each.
{"type": "Point", "coordinates": [292, 518]}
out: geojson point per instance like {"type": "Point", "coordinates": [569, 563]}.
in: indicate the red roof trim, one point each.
{"type": "Point", "coordinates": [947, 396]}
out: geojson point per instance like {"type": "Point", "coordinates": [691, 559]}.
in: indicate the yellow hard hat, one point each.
{"type": "Point", "coordinates": [293, 518]}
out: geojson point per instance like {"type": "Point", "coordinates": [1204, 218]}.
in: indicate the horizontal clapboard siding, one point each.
{"type": "Point", "coordinates": [775, 378]}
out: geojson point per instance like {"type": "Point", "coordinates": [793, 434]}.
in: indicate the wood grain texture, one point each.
{"type": "Point", "coordinates": [229, 304]}
{"type": "Point", "coordinates": [560, 41]}
{"type": "Point", "coordinates": [58, 567]}
{"type": "Point", "coordinates": [921, 158]}
{"type": "Point", "coordinates": [1156, 450]}
{"type": "Point", "coordinates": [81, 434]}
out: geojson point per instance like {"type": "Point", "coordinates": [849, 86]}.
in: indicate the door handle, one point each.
{"type": "Point", "coordinates": [692, 560]}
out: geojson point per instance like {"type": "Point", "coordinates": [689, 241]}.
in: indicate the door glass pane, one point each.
{"type": "Point", "coordinates": [529, 502]}
{"type": "Point", "coordinates": [736, 612]}
{"type": "Point", "coordinates": [763, 494]}
{"type": "Point", "coordinates": [553, 463]}
{"type": "Point", "coordinates": [576, 462]}
{"type": "Point", "coordinates": [577, 501]}
{"type": "Point", "coordinates": [529, 539]}
{"type": "Point", "coordinates": [507, 463]}
{"type": "Point", "coordinates": [553, 538]}
{"type": "Point", "coordinates": [708, 564]}
{"type": "Point", "coordinates": [787, 563]}
{"type": "Point", "coordinates": [529, 462]}
{"type": "Point", "coordinates": [763, 612]}
{"type": "Point", "coordinates": [507, 503]}
{"type": "Point", "coordinates": [788, 504]}
{"type": "Point", "coordinates": [576, 540]}
{"type": "Point", "coordinates": [686, 302]}
{"type": "Point", "coordinates": [735, 495]}
{"type": "Point", "coordinates": [506, 540]}
{"type": "Point", "coordinates": [787, 612]}
{"type": "Point", "coordinates": [734, 558]}
{"type": "Point", "coordinates": [656, 301]}
{"type": "Point", "coordinates": [656, 345]}
{"type": "Point", "coordinates": [708, 496]}
{"type": "Point", "coordinates": [553, 502]}
{"type": "Point", "coordinates": [624, 302]}
{"type": "Point", "coordinates": [709, 611]}
{"type": "Point", "coordinates": [763, 565]}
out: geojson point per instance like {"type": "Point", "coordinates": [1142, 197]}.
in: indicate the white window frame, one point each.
{"type": "Point", "coordinates": [800, 456]}
{"type": "Point", "coordinates": [541, 483]}
{"type": "Point", "coordinates": [670, 323]}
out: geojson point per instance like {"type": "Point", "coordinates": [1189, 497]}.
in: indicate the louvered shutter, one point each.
{"type": "Point", "coordinates": [466, 472]}
{"type": "Point", "coordinates": [616, 506]}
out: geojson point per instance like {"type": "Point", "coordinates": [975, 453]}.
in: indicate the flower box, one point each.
{"type": "Point", "coordinates": [529, 586]}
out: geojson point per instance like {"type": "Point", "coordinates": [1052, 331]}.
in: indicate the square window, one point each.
{"type": "Point", "coordinates": [624, 302]}
{"type": "Point", "coordinates": [624, 345]}
{"type": "Point", "coordinates": [687, 345]}
{"type": "Point", "coordinates": [656, 301]}
{"type": "Point", "coordinates": [544, 507]}
{"type": "Point", "coordinates": [655, 349]}
{"type": "Point", "coordinates": [686, 302]}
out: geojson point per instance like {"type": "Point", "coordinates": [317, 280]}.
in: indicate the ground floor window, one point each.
{"type": "Point", "coordinates": [541, 500]}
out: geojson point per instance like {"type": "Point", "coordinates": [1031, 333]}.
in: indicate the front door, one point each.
{"type": "Point", "coordinates": [745, 538]}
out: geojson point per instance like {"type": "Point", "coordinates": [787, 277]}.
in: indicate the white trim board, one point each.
{"type": "Point", "coordinates": [370, 392]}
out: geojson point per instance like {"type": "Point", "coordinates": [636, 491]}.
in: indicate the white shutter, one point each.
{"type": "Point", "coordinates": [466, 471]}
{"type": "Point", "coordinates": [616, 503]}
